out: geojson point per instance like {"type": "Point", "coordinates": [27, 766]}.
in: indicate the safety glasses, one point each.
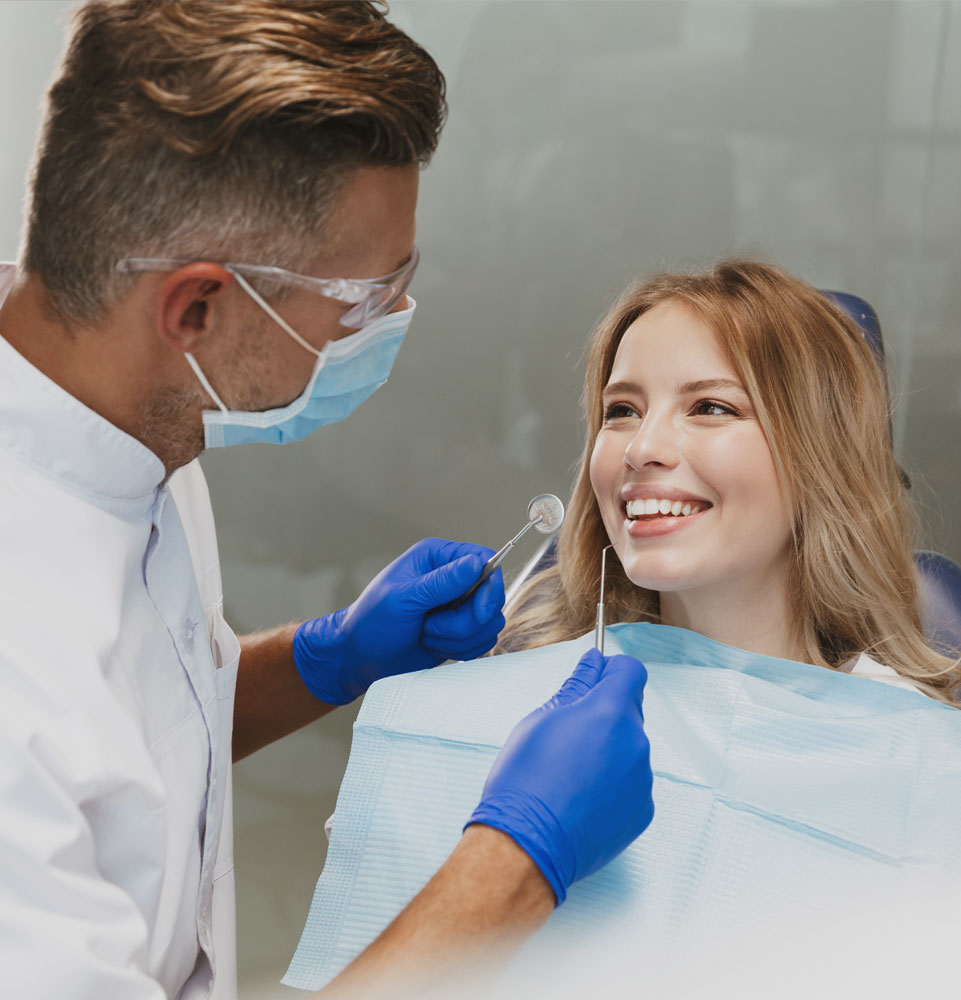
{"type": "Point", "coordinates": [369, 297]}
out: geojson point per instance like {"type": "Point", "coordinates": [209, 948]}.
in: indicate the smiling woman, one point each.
{"type": "Point", "coordinates": [679, 430]}
{"type": "Point", "coordinates": [739, 461]}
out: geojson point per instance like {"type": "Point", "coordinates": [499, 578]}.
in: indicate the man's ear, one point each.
{"type": "Point", "coordinates": [190, 304]}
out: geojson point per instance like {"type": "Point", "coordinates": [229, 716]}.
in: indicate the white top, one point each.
{"type": "Point", "coordinates": [866, 667]}
{"type": "Point", "coordinates": [117, 676]}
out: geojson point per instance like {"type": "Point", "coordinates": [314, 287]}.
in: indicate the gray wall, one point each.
{"type": "Point", "coordinates": [588, 142]}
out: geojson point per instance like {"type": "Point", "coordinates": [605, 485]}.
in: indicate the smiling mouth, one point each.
{"type": "Point", "coordinates": [647, 510]}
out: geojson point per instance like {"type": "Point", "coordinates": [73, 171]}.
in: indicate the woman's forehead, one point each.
{"type": "Point", "coordinates": [670, 341]}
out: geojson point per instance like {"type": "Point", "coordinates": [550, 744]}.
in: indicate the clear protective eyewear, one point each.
{"type": "Point", "coordinates": [370, 298]}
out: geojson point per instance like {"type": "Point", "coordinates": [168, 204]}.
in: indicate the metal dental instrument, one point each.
{"type": "Point", "coordinates": [599, 627]}
{"type": "Point", "coordinates": [545, 513]}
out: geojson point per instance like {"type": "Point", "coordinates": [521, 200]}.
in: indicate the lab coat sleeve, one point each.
{"type": "Point", "coordinates": [65, 930]}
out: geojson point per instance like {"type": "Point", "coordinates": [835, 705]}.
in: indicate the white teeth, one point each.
{"type": "Point", "coordinates": [676, 508]}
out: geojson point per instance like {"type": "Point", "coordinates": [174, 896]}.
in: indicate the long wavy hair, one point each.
{"type": "Point", "coordinates": [822, 403]}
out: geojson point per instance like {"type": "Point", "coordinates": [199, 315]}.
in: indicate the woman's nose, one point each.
{"type": "Point", "coordinates": [655, 443]}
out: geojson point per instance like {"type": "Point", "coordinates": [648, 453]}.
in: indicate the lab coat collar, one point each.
{"type": "Point", "coordinates": [51, 430]}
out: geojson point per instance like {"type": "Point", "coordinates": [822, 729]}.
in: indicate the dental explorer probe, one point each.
{"type": "Point", "coordinates": [545, 512]}
{"type": "Point", "coordinates": [599, 627]}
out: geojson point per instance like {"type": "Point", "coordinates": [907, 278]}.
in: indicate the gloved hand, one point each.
{"type": "Point", "coordinates": [572, 785]}
{"type": "Point", "coordinates": [394, 627]}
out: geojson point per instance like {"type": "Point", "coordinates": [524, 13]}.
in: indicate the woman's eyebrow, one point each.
{"type": "Point", "coordinates": [701, 385]}
{"type": "Point", "coordinates": [616, 388]}
{"type": "Point", "coordinates": [707, 384]}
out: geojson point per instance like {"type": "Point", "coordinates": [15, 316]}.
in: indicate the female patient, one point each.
{"type": "Point", "coordinates": [738, 458]}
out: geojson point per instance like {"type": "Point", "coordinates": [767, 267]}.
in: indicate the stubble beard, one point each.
{"type": "Point", "coordinates": [171, 420]}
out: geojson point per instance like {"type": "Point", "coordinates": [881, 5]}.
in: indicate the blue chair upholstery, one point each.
{"type": "Point", "coordinates": [865, 317]}
{"type": "Point", "coordinates": [939, 593]}
{"type": "Point", "coordinates": [939, 579]}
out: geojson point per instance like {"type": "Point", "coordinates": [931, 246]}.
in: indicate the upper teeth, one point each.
{"type": "Point", "coordinates": [638, 508]}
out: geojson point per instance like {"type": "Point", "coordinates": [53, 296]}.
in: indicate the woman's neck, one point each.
{"type": "Point", "coordinates": [756, 617]}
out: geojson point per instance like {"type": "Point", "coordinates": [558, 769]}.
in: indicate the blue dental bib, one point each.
{"type": "Point", "coordinates": [781, 788]}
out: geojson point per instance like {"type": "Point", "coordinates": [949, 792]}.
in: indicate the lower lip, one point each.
{"type": "Point", "coordinates": [657, 526]}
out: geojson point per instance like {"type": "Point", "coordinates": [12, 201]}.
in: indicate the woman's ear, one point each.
{"type": "Point", "coordinates": [190, 304]}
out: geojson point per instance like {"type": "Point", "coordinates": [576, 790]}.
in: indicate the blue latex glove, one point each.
{"type": "Point", "coordinates": [394, 627]}
{"type": "Point", "coordinates": [572, 785]}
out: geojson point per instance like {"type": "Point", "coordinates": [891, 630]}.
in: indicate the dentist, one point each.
{"type": "Point", "coordinates": [218, 248]}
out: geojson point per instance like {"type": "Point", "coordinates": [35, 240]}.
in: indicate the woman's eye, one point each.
{"type": "Point", "coordinates": [619, 410]}
{"type": "Point", "coordinates": [710, 408]}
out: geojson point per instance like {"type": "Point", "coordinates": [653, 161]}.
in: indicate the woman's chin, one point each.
{"type": "Point", "coordinates": [661, 579]}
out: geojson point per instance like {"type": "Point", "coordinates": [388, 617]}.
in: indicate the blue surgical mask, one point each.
{"type": "Point", "coordinates": [346, 372]}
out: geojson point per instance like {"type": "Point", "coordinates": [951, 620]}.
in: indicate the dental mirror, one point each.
{"type": "Point", "coordinates": [545, 513]}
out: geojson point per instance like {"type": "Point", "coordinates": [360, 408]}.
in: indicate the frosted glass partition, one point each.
{"type": "Point", "coordinates": [588, 142]}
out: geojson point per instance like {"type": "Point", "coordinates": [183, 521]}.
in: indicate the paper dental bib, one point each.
{"type": "Point", "coordinates": [783, 792]}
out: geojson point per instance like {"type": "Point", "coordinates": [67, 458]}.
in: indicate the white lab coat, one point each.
{"type": "Point", "coordinates": [117, 676]}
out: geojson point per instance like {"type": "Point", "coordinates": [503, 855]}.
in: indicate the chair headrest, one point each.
{"type": "Point", "coordinates": [865, 317]}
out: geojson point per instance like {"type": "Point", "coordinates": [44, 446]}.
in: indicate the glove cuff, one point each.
{"type": "Point", "coordinates": [520, 819]}
{"type": "Point", "coordinates": [320, 661]}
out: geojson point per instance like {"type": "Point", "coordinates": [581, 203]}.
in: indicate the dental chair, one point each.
{"type": "Point", "coordinates": [938, 577]}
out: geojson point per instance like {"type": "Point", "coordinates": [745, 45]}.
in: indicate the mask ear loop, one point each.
{"type": "Point", "coordinates": [599, 627]}
{"type": "Point", "coordinates": [192, 361]}
{"type": "Point", "coordinates": [271, 312]}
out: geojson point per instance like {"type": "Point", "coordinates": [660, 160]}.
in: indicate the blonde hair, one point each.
{"type": "Point", "coordinates": [822, 403]}
{"type": "Point", "coordinates": [215, 129]}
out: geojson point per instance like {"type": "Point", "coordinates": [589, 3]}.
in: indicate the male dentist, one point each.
{"type": "Point", "coordinates": [219, 243]}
